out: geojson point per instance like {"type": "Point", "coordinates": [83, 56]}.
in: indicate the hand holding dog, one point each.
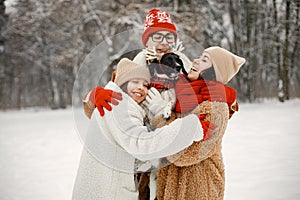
{"type": "Point", "coordinates": [156, 104]}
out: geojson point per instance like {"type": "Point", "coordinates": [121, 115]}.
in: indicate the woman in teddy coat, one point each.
{"type": "Point", "coordinates": [197, 173]}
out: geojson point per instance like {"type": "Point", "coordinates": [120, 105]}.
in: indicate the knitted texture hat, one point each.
{"type": "Point", "coordinates": [225, 63]}
{"type": "Point", "coordinates": [157, 20]}
{"type": "Point", "coordinates": [127, 70]}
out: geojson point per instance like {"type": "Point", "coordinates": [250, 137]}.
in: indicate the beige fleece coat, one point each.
{"type": "Point", "coordinates": [196, 173]}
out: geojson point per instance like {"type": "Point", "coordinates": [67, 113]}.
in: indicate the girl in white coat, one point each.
{"type": "Point", "coordinates": [119, 144]}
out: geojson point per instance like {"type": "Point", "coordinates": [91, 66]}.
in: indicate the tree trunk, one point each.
{"type": "Point", "coordinates": [285, 65]}
{"type": "Point", "coordinates": [277, 41]}
{"type": "Point", "coordinates": [297, 33]}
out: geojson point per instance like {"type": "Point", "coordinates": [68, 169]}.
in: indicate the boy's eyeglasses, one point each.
{"type": "Point", "coordinates": [159, 37]}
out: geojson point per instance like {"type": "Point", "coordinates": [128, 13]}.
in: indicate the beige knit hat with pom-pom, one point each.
{"type": "Point", "coordinates": [225, 63]}
{"type": "Point", "coordinates": [127, 70]}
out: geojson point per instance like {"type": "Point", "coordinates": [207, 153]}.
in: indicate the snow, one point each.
{"type": "Point", "coordinates": [39, 155]}
{"type": "Point", "coordinates": [40, 151]}
{"type": "Point", "coordinates": [261, 152]}
{"type": "Point", "coordinates": [9, 6]}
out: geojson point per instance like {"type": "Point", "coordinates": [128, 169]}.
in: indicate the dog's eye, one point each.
{"type": "Point", "coordinates": [178, 66]}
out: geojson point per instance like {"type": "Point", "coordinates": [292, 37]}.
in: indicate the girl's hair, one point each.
{"type": "Point", "coordinates": [208, 74]}
{"type": "Point", "coordinates": [124, 87]}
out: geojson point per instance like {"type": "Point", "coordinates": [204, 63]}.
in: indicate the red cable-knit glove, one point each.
{"type": "Point", "coordinates": [101, 98]}
{"type": "Point", "coordinates": [207, 126]}
{"type": "Point", "coordinates": [216, 91]}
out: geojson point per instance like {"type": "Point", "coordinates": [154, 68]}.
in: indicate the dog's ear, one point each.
{"type": "Point", "coordinates": [180, 66]}
{"type": "Point", "coordinates": [174, 61]}
{"type": "Point", "coordinates": [183, 68]}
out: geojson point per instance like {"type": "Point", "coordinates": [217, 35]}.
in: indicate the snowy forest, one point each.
{"type": "Point", "coordinates": [43, 44]}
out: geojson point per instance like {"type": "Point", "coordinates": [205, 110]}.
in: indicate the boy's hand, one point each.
{"type": "Point", "coordinates": [152, 54]}
{"type": "Point", "coordinates": [178, 47]}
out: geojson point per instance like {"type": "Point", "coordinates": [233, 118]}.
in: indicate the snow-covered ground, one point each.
{"type": "Point", "coordinates": [40, 152]}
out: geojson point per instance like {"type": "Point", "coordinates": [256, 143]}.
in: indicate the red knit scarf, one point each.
{"type": "Point", "coordinates": [162, 84]}
{"type": "Point", "coordinates": [188, 94]}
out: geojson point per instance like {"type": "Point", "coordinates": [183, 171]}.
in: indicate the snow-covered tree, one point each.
{"type": "Point", "coordinates": [45, 42]}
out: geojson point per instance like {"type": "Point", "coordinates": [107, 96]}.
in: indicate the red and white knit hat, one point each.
{"type": "Point", "coordinates": [157, 20]}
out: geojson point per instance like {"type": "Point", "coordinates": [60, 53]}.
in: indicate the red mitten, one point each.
{"type": "Point", "coordinates": [207, 127]}
{"type": "Point", "coordinates": [101, 98]}
{"type": "Point", "coordinates": [230, 95]}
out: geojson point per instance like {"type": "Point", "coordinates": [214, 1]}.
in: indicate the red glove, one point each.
{"type": "Point", "coordinates": [216, 91]}
{"type": "Point", "coordinates": [207, 127]}
{"type": "Point", "coordinates": [101, 98]}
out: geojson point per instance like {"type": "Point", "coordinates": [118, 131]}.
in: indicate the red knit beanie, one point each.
{"type": "Point", "coordinates": [157, 20]}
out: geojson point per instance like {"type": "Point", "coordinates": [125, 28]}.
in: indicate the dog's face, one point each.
{"type": "Point", "coordinates": [169, 66]}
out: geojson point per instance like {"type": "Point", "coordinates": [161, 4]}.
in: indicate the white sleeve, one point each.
{"type": "Point", "coordinates": [135, 138]}
{"type": "Point", "coordinates": [165, 141]}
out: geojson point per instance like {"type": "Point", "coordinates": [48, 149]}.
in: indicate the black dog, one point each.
{"type": "Point", "coordinates": [164, 74]}
{"type": "Point", "coordinates": [168, 67]}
